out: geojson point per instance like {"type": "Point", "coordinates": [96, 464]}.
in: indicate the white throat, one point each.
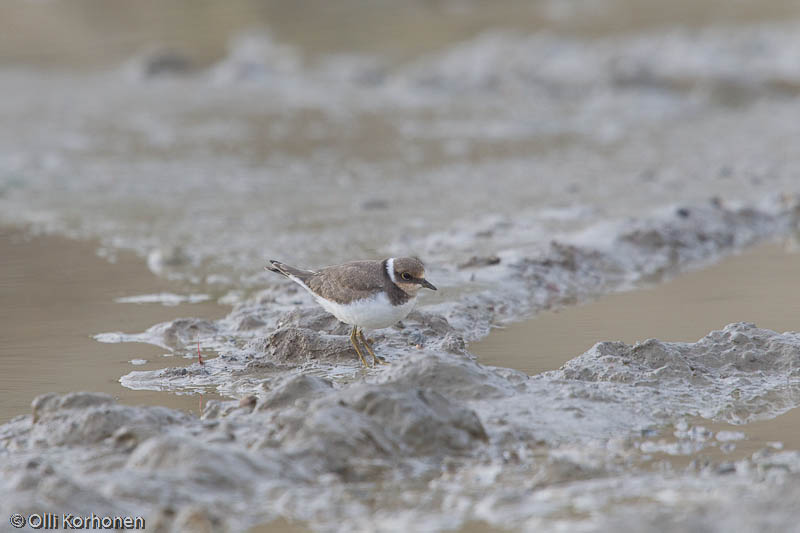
{"type": "Point", "coordinates": [390, 269]}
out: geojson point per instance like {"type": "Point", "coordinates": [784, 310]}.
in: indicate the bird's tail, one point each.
{"type": "Point", "coordinates": [289, 271]}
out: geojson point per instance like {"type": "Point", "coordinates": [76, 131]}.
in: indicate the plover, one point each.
{"type": "Point", "coordinates": [363, 294]}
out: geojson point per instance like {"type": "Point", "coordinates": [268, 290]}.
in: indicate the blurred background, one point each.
{"type": "Point", "coordinates": [209, 136]}
{"type": "Point", "coordinates": [96, 33]}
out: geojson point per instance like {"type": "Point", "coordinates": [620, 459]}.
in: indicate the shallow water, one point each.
{"type": "Point", "coordinates": [758, 285]}
{"type": "Point", "coordinates": [57, 293]}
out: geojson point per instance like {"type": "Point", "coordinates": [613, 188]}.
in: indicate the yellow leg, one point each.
{"type": "Point", "coordinates": [375, 359]}
{"type": "Point", "coordinates": [354, 342]}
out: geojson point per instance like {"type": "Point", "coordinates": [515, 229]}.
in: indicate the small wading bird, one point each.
{"type": "Point", "coordinates": [364, 294]}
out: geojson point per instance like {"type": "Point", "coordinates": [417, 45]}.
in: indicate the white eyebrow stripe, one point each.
{"type": "Point", "coordinates": [390, 269]}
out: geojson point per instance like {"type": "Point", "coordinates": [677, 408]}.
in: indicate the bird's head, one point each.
{"type": "Point", "coordinates": [408, 273]}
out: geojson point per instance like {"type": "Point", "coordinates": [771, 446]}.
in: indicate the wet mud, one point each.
{"type": "Point", "coordinates": [532, 170]}
{"type": "Point", "coordinates": [314, 437]}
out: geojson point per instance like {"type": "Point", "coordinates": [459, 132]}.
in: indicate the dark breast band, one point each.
{"type": "Point", "coordinates": [397, 296]}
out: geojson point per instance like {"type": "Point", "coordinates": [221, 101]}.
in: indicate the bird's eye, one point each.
{"type": "Point", "coordinates": [406, 276]}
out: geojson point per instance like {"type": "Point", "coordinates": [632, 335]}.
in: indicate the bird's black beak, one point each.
{"type": "Point", "coordinates": [427, 284]}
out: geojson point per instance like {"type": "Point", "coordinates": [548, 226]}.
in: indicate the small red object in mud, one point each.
{"type": "Point", "coordinates": [199, 357]}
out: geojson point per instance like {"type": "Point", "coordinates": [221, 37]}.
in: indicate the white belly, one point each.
{"type": "Point", "coordinates": [370, 313]}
